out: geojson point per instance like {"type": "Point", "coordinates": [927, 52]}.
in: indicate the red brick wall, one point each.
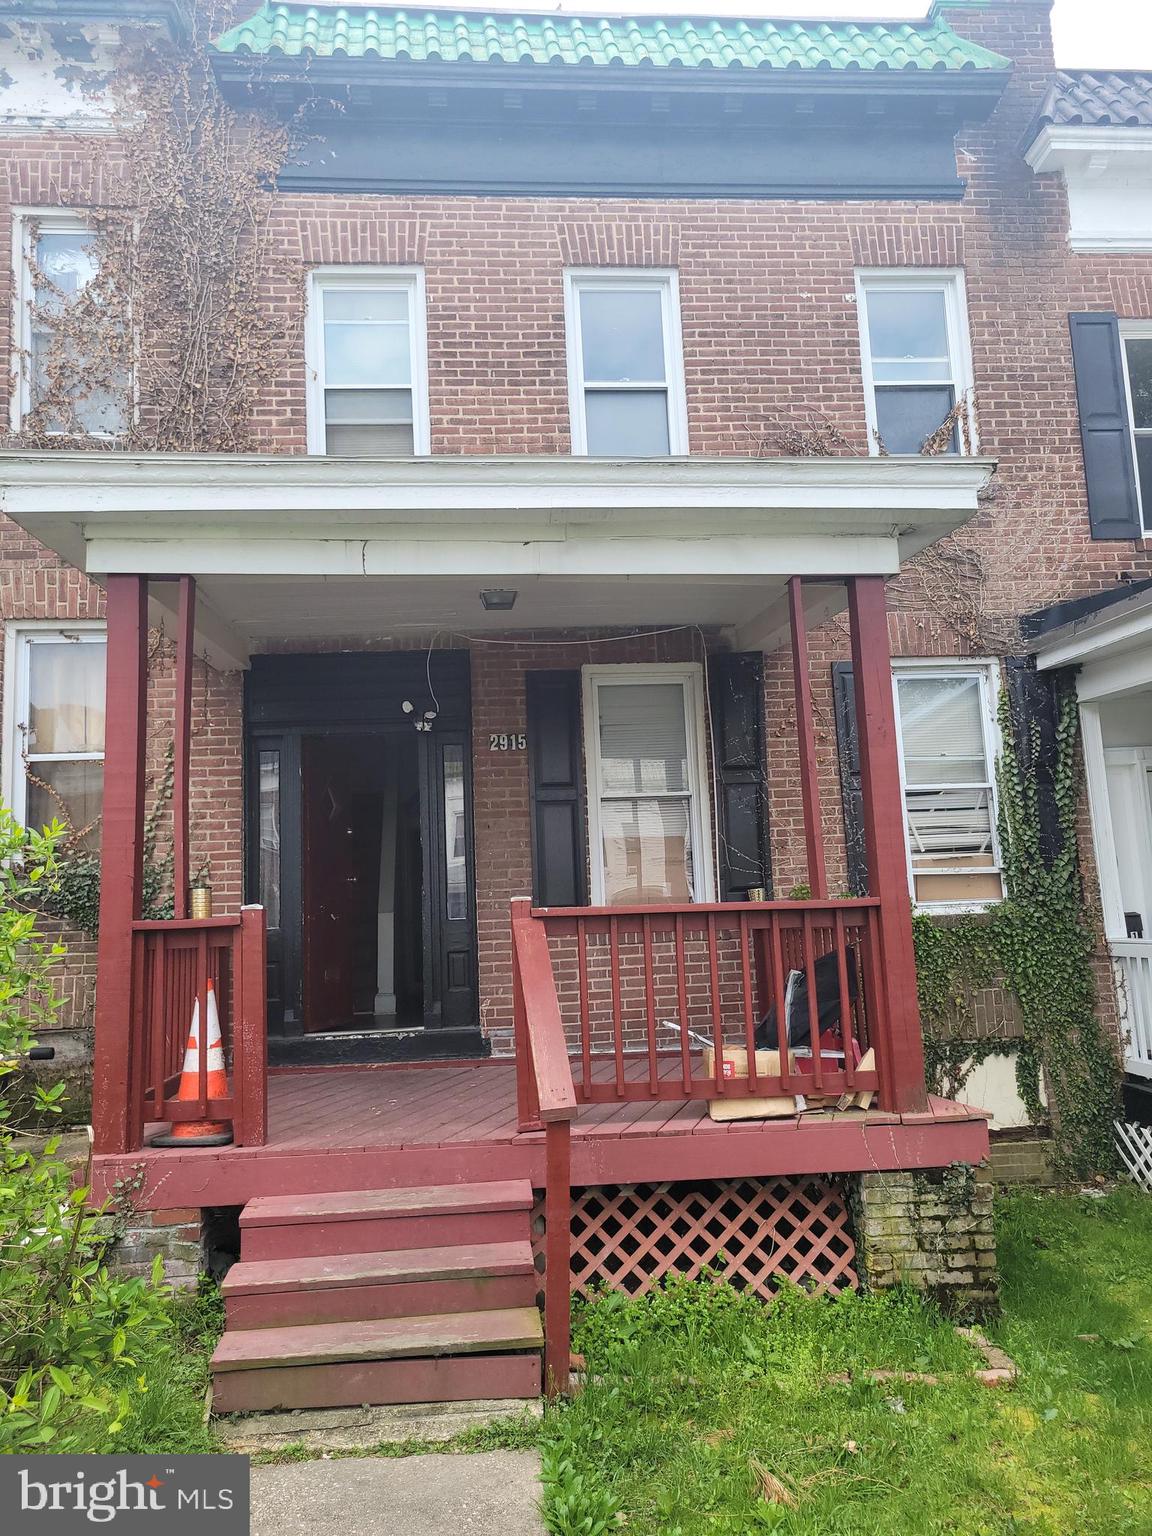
{"type": "Point", "coordinates": [770, 339]}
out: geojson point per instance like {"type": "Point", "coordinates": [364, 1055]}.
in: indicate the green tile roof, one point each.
{"type": "Point", "coordinates": [444, 36]}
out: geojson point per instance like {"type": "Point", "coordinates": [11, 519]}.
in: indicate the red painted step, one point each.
{"type": "Point", "coordinates": [272, 1293]}
{"type": "Point", "coordinates": [401, 1360]}
{"type": "Point", "coordinates": [442, 1379]}
{"type": "Point", "coordinates": [382, 1220]}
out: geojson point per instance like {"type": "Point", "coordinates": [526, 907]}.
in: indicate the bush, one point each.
{"type": "Point", "coordinates": [71, 1334]}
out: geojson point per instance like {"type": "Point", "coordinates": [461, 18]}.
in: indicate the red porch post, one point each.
{"type": "Point", "coordinates": [182, 746]}
{"type": "Point", "coordinates": [116, 1110]}
{"type": "Point", "coordinates": [900, 1050]}
{"type": "Point", "coordinates": [805, 737]}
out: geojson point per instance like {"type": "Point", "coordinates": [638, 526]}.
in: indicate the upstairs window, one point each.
{"type": "Point", "coordinates": [62, 388]}
{"type": "Point", "coordinates": [1137, 342]}
{"type": "Point", "coordinates": [947, 755]}
{"type": "Point", "coordinates": [54, 727]}
{"type": "Point", "coordinates": [366, 364]}
{"type": "Point", "coordinates": [916, 359]}
{"type": "Point", "coordinates": [625, 372]}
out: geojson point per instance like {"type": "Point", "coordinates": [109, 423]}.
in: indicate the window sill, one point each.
{"type": "Point", "coordinates": [954, 908]}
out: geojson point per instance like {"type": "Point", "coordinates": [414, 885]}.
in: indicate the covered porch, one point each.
{"type": "Point", "coordinates": [615, 1017]}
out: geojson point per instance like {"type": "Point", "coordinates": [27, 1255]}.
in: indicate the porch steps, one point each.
{"type": "Point", "coordinates": [381, 1296]}
{"type": "Point", "coordinates": [379, 1220]}
{"type": "Point", "coordinates": [350, 1287]}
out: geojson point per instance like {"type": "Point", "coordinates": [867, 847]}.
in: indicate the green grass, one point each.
{"type": "Point", "coordinates": [694, 1394]}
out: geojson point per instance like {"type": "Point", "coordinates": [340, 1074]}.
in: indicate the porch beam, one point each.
{"type": "Point", "coordinates": [116, 1108]}
{"type": "Point", "coordinates": [218, 641]}
{"type": "Point", "coordinates": [806, 742]}
{"type": "Point", "coordinates": [769, 629]}
{"type": "Point", "coordinates": [536, 547]}
{"type": "Point", "coordinates": [182, 745]}
{"type": "Point", "coordinates": [900, 1048]}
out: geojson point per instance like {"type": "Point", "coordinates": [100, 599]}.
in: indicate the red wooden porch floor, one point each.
{"type": "Point", "coordinates": [388, 1126]}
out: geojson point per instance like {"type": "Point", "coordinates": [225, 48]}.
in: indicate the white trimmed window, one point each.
{"type": "Point", "coordinates": [55, 260]}
{"type": "Point", "coordinates": [1136, 339]}
{"type": "Point", "coordinates": [916, 358]}
{"type": "Point", "coordinates": [648, 814]}
{"type": "Point", "coordinates": [54, 726]}
{"type": "Point", "coordinates": [367, 372]}
{"type": "Point", "coordinates": [625, 364]}
{"type": "Point", "coordinates": [946, 718]}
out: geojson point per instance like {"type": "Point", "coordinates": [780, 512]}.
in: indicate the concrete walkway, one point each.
{"type": "Point", "coordinates": [435, 1495]}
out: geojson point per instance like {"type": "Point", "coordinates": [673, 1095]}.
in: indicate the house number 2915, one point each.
{"type": "Point", "coordinates": [508, 741]}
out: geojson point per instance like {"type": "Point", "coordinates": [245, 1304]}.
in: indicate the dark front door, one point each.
{"type": "Point", "coordinates": [360, 846]}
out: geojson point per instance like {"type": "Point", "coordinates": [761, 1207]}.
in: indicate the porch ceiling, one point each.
{"type": "Point", "coordinates": [288, 549]}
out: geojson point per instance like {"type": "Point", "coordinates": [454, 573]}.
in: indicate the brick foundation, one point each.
{"type": "Point", "coordinates": [173, 1235]}
{"type": "Point", "coordinates": [930, 1230]}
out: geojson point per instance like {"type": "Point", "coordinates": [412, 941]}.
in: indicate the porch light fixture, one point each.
{"type": "Point", "coordinates": [498, 599]}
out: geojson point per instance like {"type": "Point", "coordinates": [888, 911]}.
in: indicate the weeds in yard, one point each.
{"type": "Point", "coordinates": [705, 1411]}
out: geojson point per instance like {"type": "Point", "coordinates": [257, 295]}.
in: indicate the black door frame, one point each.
{"type": "Point", "coordinates": [280, 710]}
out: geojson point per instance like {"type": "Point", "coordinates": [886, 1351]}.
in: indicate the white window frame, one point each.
{"type": "Point", "coordinates": [409, 280]}
{"type": "Point", "coordinates": [662, 280]}
{"type": "Point", "coordinates": [1135, 330]}
{"type": "Point", "coordinates": [690, 676]}
{"type": "Point", "coordinates": [949, 281]}
{"type": "Point", "coordinates": [987, 670]}
{"type": "Point", "coordinates": [20, 635]}
{"type": "Point", "coordinates": [62, 221]}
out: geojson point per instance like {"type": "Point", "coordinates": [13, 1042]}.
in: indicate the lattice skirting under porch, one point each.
{"type": "Point", "coordinates": [755, 1230]}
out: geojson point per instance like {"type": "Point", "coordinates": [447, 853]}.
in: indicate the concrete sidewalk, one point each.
{"type": "Point", "coordinates": [434, 1495]}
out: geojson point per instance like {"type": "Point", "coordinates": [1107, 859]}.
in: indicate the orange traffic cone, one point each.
{"type": "Point", "coordinates": [200, 1133]}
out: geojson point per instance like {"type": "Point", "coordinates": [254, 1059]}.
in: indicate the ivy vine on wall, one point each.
{"type": "Point", "coordinates": [1039, 941]}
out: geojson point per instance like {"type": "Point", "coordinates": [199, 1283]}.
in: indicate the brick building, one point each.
{"type": "Point", "coordinates": [601, 358]}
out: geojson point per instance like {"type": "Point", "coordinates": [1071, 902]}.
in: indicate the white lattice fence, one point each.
{"type": "Point", "coordinates": [1134, 1144]}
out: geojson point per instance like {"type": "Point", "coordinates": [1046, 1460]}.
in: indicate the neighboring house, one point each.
{"type": "Point", "coordinates": [1095, 130]}
{"type": "Point", "coordinates": [589, 557]}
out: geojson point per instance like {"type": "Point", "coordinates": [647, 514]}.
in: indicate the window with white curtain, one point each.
{"type": "Point", "coordinates": [947, 730]}
{"type": "Point", "coordinates": [54, 727]}
{"type": "Point", "coordinates": [366, 363]}
{"type": "Point", "coordinates": [625, 370]}
{"type": "Point", "coordinates": [647, 813]}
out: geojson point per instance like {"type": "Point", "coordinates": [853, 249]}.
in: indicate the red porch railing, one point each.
{"type": "Point", "coordinates": [643, 991]}
{"type": "Point", "coordinates": [172, 963]}
{"type": "Point", "coordinates": [546, 1097]}
{"type": "Point", "coordinates": [595, 990]}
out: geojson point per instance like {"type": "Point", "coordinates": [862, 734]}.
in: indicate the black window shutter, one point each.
{"type": "Point", "coordinates": [851, 793]}
{"type": "Point", "coordinates": [559, 867]}
{"type": "Point", "coordinates": [736, 693]}
{"type": "Point", "coordinates": [1034, 705]}
{"type": "Point", "coordinates": [1105, 431]}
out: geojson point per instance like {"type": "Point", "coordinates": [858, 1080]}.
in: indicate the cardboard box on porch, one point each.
{"type": "Point", "coordinates": [734, 1067]}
